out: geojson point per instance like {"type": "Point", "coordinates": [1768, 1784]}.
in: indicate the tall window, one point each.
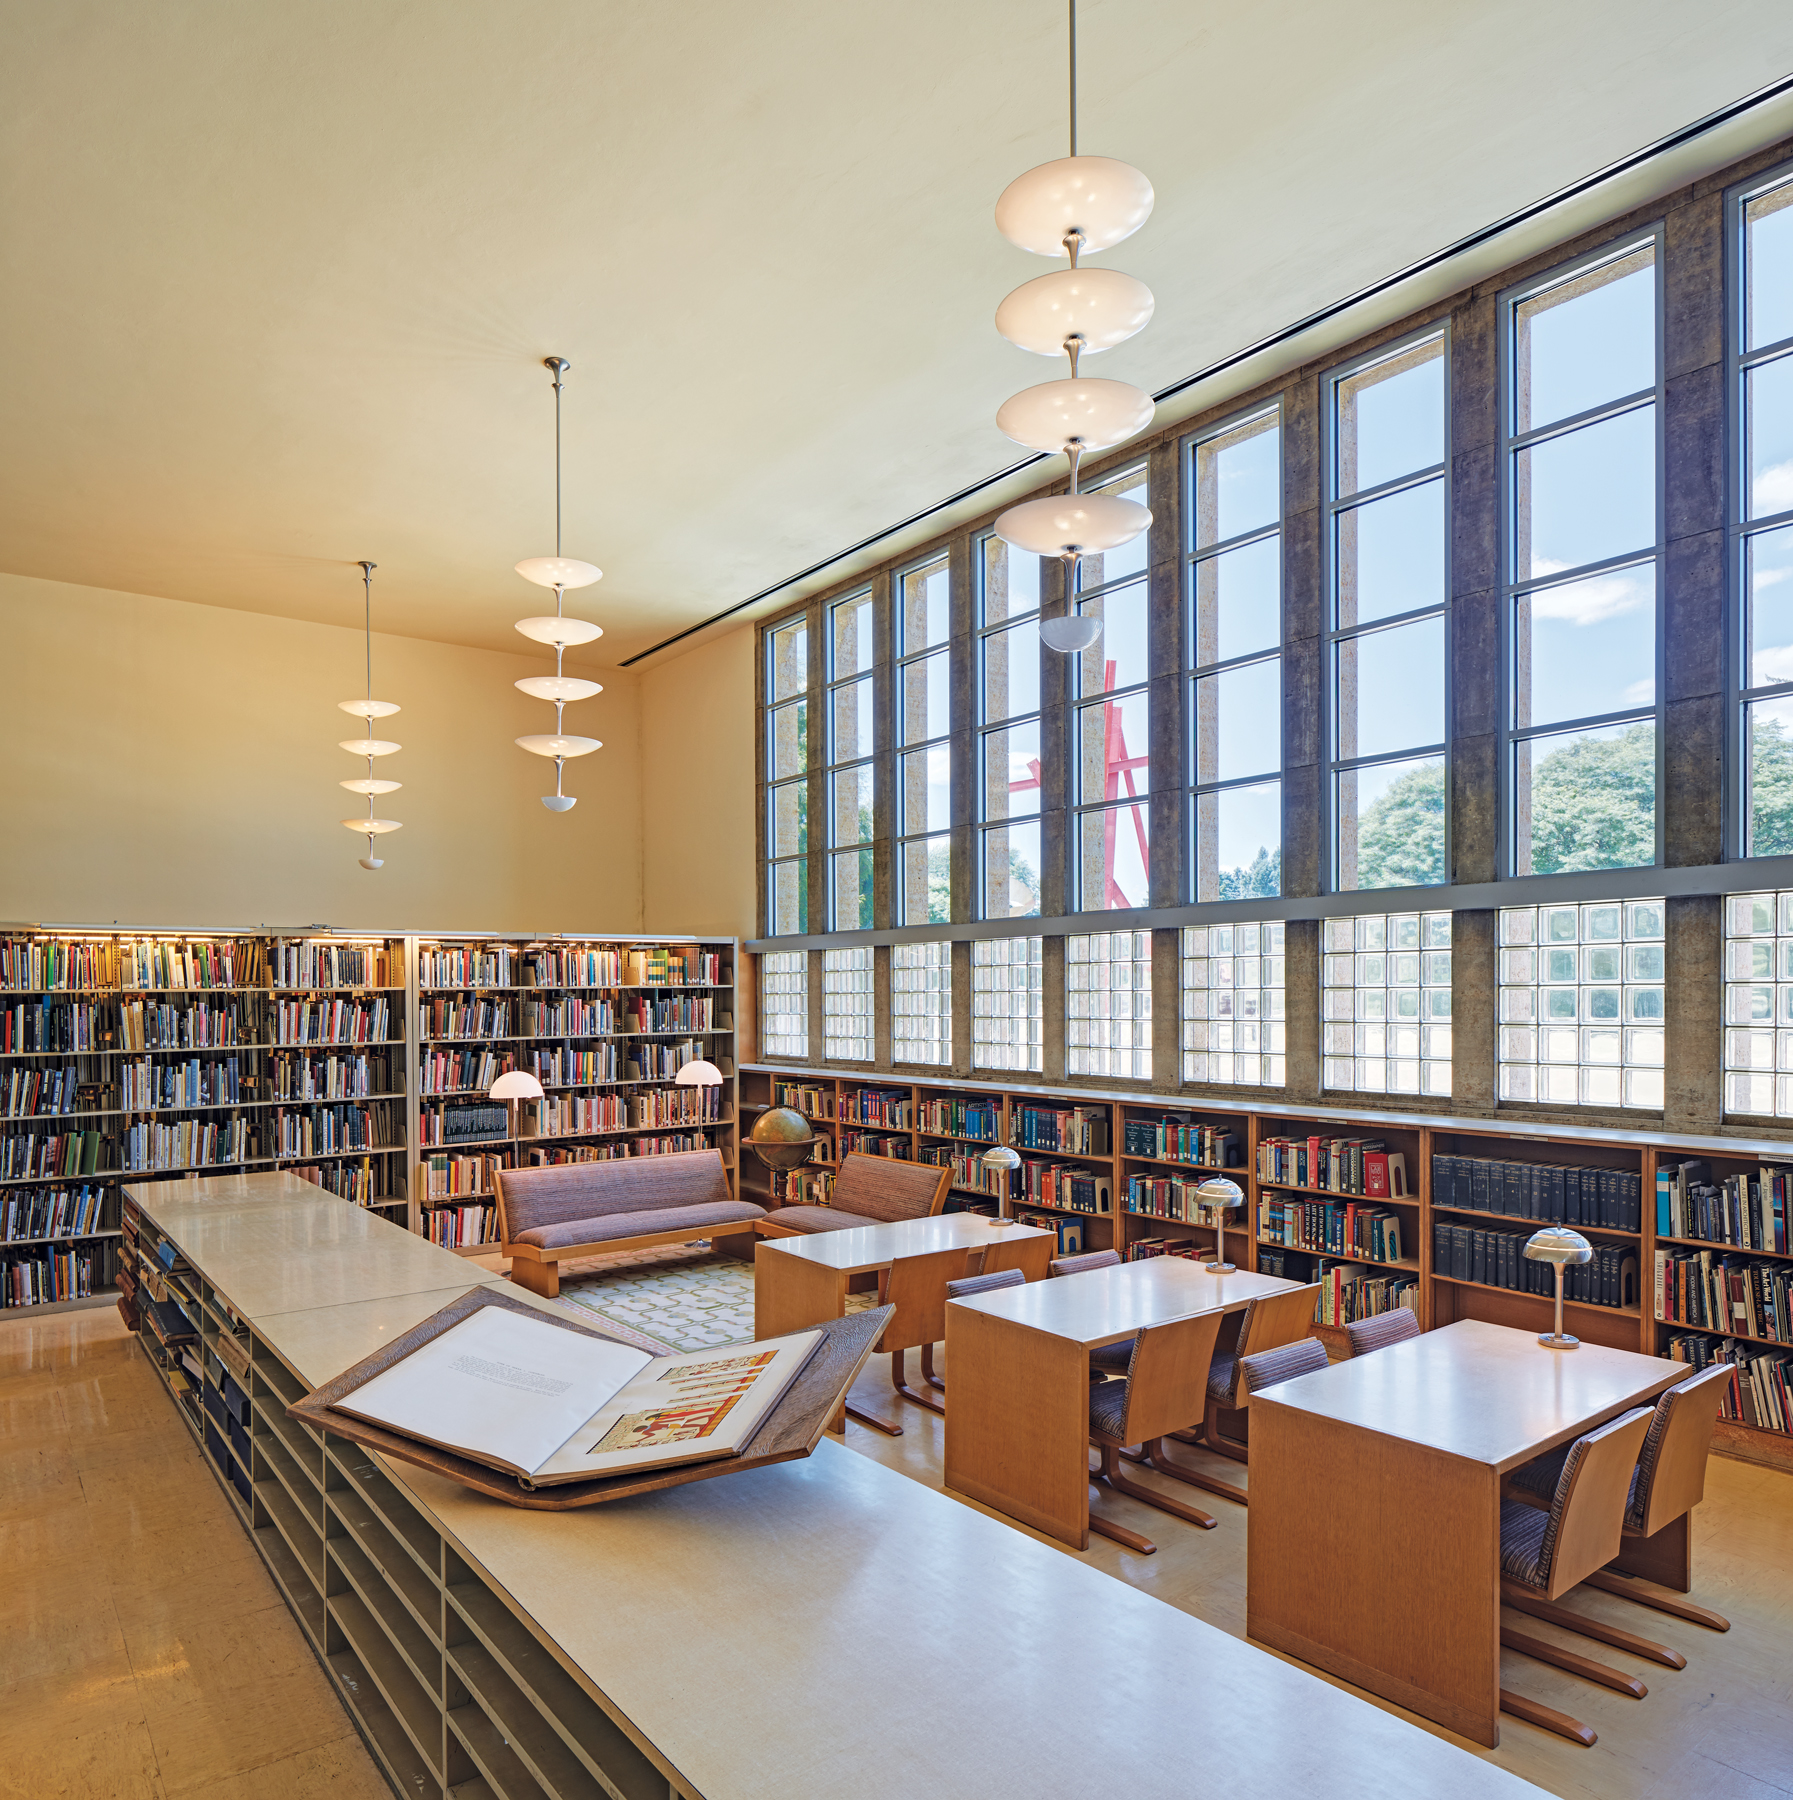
{"type": "Point", "coordinates": [1386, 518]}
{"type": "Point", "coordinates": [1758, 1004]}
{"type": "Point", "coordinates": [1008, 739]}
{"type": "Point", "coordinates": [921, 1003]}
{"type": "Point", "coordinates": [1762, 386]}
{"type": "Point", "coordinates": [847, 1015]}
{"type": "Point", "coordinates": [784, 1003]}
{"type": "Point", "coordinates": [1235, 658]}
{"type": "Point", "coordinates": [1111, 725]}
{"type": "Point", "coordinates": [1233, 1029]}
{"type": "Point", "coordinates": [924, 761]}
{"type": "Point", "coordinates": [1581, 1003]}
{"type": "Point", "coordinates": [850, 764]}
{"type": "Point", "coordinates": [1385, 1003]}
{"type": "Point", "coordinates": [1108, 1005]}
{"type": "Point", "coordinates": [1581, 424]}
{"type": "Point", "coordinates": [1008, 1003]}
{"type": "Point", "coordinates": [787, 773]}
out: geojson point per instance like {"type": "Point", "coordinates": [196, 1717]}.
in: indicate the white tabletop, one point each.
{"type": "Point", "coordinates": [859, 1248]}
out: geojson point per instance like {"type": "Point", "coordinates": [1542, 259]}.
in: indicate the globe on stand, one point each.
{"type": "Point", "coordinates": [781, 1138]}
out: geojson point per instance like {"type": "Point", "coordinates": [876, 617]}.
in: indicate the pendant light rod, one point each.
{"type": "Point", "coordinates": [1073, 7]}
{"type": "Point", "coordinates": [559, 365]}
{"type": "Point", "coordinates": [367, 618]}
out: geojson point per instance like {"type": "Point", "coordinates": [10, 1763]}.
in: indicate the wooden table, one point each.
{"type": "Point", "coordinates": [802, 1281]}
{"type": "Point", "coordinates": [1374, 1550]}
{"type": "Point", "coordinates": [1017, 1416]}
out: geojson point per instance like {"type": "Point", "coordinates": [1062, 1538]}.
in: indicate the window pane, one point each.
{"type": "Point", "coordinates": [1011, 672]}
{"type": "Point", "coordinates": [1113, 858]}
{"type": "Point", "coordinates": [926, 803]}
{"type": "Point", "coordinates": [790, 739]}
{"type": "Point", "coordinates": [923, 612]}
{"type": "Point", "coordinates": [1585, 647]}
{"type": "Point", "coordinates": [1116, 565]}
{"type": "Point", "coordinates": [924, 874]}
{"type": "Point", "coordinates": [1768, 414]}
{"type": "Point", "coordinates": [1770, 622]}
{"type": "Point", "coordinates": [790, 897]}
{"type": "Point", "coordinates": [1769, 219]}
{"type": "Point", "coordinates": [851, 878]}
{"type": "Point", "coordinates": [850, 818]}
{"type": "Point", "coordinates": [1011, 582]}
{"type": "Point", "coordinates": [1391, 689]}
{"type": "Point", "coordinates": [1759, 1032]}
{"type": "Point", "coordinates": [1012, 772]}
{"type": "Point", "coordinates": [1585, 800]}
{"type": "Point", "coordinates": [1586, 341]}
{"type": "Point", "coordinates": [1108, 1005]}
{"type": "Point", "coordinates": [1391, 824]}
{"type": "Point", "coordinates": [1238, 842]}
{"type": "Point", "coordinates": [1008, 1003]}
{"type": "Point", "coordinates": [1387, 1004]}
{"type": "Point", "coordinates": [847, 1009]}
{"type": "Point", "coordinates": [852, 721]}
{"type": "Point", "coordinates": [1391, 555]}
{"type": "Point", "coordinates": [1012, 871]}
{"type": "Point", "coordinates": [1238, 481]}
{"type": "Point", "coordinates": [788, 660]}
{"type": "Point", "coordinates": [790, 818]}
{"type": "Point", "coordinates": [1111, 749]}
{"type": "Point", "coordinates": [1117, 659]}
{"type": "Point", "coordinates": [1232, 1004]}
{"type": "Point", "coordinates": [924, 699]}
{"type": "Point", "coordinates": [1771, 778]}
{"type": "Point", "coordinates": [784, 1003]}
{"type": "Point", "coordinates": [1238, 602]}
{"type": "Point", "coordinates": [1238, 722]}
{"type": "Point", "coordinates": [852, 645]}
{"type": "Point", "coordinates": [1391, 418]}
{"type": "Point", "coordinates": [921, 1003]}
{"type": "Point", "coordinates": [1585, 496]}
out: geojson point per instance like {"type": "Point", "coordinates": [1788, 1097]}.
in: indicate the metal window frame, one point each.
{"type": "Point", "coordinates": [1194, 556]}
{"type": "Point", "coordinates": [1512, 588]}
{"type": "Point", "coordinates": [833, 765]}
{"type": "Point", "coordinates": [901, 659]}
{"type": "Point", "coordinates": [983, 630]}
{"type": "Point", "coordinates": [774, 785]}
{"type": "Point", "coordinates": [1739, 765]}
{"type": "Point", "coordinates": [1333, 506]}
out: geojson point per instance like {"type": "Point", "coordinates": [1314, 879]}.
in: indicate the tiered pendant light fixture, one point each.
{"type": "Point", "coordinates": [560, 573]}
{"type": "Point", "coordinates": [370, 746]}
{"type": "Point", "coordinates": [1072, 208]}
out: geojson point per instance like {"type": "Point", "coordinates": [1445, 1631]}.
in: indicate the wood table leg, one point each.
{"type": "Point", "coordinates": [790, 1293]}
{"type": "Point", "coordinates": [1017, 1423]}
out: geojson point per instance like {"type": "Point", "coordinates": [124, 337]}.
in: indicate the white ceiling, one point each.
{"type": "Point", "coordinates": [276, 280]}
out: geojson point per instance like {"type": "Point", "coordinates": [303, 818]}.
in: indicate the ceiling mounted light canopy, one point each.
{"type": "Point", "coordinates": [1072, 207]}
{"type": "Point", "coordinates": [370, 747]}
{"type": "Point", "coordinates": [559, 573]}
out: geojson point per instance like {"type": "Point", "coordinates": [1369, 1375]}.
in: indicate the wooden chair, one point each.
{"type": "Point", "coordinates": [916, 1287]}
{"type": "Point", "coordinates": [1393, 1327]}
{"type": "Point", "coordinates": [1163, 1386]}
{"type": "Point", "coordinates": [1105, 1359]}
{"type": "Point", "coordinates": [869, 1190]}
{"type": "Point", "coordinates": [1266, 1324]}
{"type": "Point", "coordinates": [1025, 1257]}
{"type": "Point", "coordinates": [962, 1289]}
{"type": "Point", "coordinates": [1544, 1554]}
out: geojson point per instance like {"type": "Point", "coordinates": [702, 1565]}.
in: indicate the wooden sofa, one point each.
{"type": "Point", "coordinates": [549, 1215]}
{"type": "Point", "coordinates": [870, 1190]}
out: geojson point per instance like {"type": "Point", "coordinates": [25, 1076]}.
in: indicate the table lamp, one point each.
{"type": "Point", "coordinates": [1003, 1161]}
{"type": "Point", "coordinates": [1220, 1196]}
{"type": "Point", "coordinates": [1559, 1245]}
{"type": "Point", "coordinates": [512, 1086]}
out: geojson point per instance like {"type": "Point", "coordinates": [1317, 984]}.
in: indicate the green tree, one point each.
{"type": "Point", "coordinates": [1770, 786]}
{"type": "Point", "coordinates": [1261, 878]}
{"type": "Point", "coordinates": [1400, 839]}
{"type": "Point", "coordinates": [1593, 803]}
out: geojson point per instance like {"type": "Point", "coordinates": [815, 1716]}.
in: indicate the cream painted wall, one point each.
{"type": "Point", "coordinates": [176, 764]}
{"type": "Point", "coordinates": [697, 787]}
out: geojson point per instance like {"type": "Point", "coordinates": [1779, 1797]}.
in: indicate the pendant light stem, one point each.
{"type": "Point", "coordinates": [1073, 6]}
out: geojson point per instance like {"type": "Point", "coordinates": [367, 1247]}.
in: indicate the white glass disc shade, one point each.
{"type": "Point", "coordinates": [376, 826]}
{"type": "Point", "coordinates": [1069, 636]}
{"type": "Point", "coordinates": [361, 785]}
{"type": "Point", "coordinates": [552, 744]}
{"type": "Point", "coordinates": [1073, 522]}
{"type": "Point", "coordinates": [698, 1073]}
{"type": "Point", "coordinates": [552, 630]}
{"type": "Point", "coordinates": [1105, 199]}
{"type": "Point", "coordinates": [368, 746]}
{"type": "Point", "coordinates": [367, 709]}
{"type": "Point", "coordinates": [1102, 306]}
{"type": "Point", "coordinates": [1099, 413]}
{"type": "Point", "coordinates": [559, 688]}
{"type": "Point", "coordinates": [515, 1084]}
{"type": "Point", "coordinates": [559, 571]}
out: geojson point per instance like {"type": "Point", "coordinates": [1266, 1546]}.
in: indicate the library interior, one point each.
{"type": "Point", "coordinates": [1110, 1109]}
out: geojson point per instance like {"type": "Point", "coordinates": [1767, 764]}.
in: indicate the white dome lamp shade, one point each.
{"type": "Point", "coordinates": [1073, 206]}
{"type": "Point", "coordinates": [369, 709]}
{"type": "Point", "coordinates": [364, 785]}
{"type": "Point", "coordinates": [557, 688]}
{"type": "Point", "coordinates": [1071, 635]}
{"type": "Point", "coordinates": [558, 630]}
{"type": "Point", "coordinates": [510, 1087]}
{"type": "Point", "coordinates": [559, 571]}
{"type": "Point", "coordinates": [1075, 312]}
{"type": "Point", "coordinates": [698, 1073]}
{"type": "Point", "coordinates": [1066, 525]}
{"type": "Point", "coordinates": [1093, 414]}
{"type": "Point", "coordinates": [558, 744]}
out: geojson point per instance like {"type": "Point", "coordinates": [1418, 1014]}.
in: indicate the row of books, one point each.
{"type": "Point", "coordinates": [1725, 1293]}
{"type": "Point", "coordinates": [570, 1016]}
{"type": "Point", "coordinates": [191, 963]}
{"type": "Point", "coordinates": [39, 965]}
{"type": "Point", "coordinates": [1069, 1232]}
{"type": "Point", "coordinates": [805, 1097]}
{"type": "Point", "coordinates": [878, 1106]}
{"type": "Point", "coordinates": [476, 966]}
{"type": "Point", "coordinates": [1339, 1164]}
{"type": "Point", "coordinates": [28, 1154]}
{"type": "Point", "coordinates": [1177, 1140]}
{"type": "Point", "coordinates": [555, 1115]}
{"type": "Point", "coordinates": [683, 1012]}
{"type": "Point", "coordinates": [301, 1077]}
{"type": "Point", "coordinates": [318, 1130]}
{"type": "Point", "coordinates": [73, 1025]}
{"type": "Point", "coordinates": [56, 1275]}
{"type": "Point", "coordinates": [471, 1019]}
{"type": "Point", "coordinates": [564, 1067]}
{"type": "Point", "coordinates": [1551, 1193]}
{"type": "Point", "coordinates": [199, 1081]}
{"type": "Point", "coordinates": [1760, 1392]}
{"type": "Point", "coordinates": [36, 1092]}
{"type": "Point", "coordinates": [1346, 1294]}
{"type": "Point", "coordinates": [674, 966]}
{"type": "Point", "coordinates": [1165, 1197]}
{"type": "Point", "coordinates": [567, 966]}
{"type": "Point", "coordinates": [52, 1212]}
{"type": "Point", "coordinates": [1144, 1249]}
{"type": "Point", "coordinates": [467, 1071]}
{"type": "Point", "coordinates": [1746, 1211]}
{"type": "Point", "coordinates": [1497, 1259]}
{"type": "Point", "coordinates": [875, 1143]}
{"type": "Point", "coordinates": [1082, 1130]}
{"type": "Point", "coordinates": [1063, 1185]}
{"type": "Point", "coordinates": [464, 1124]}
{"type": "Point", "coordinates": [968, 1167]}
{"type": "Point", "coordinates": [306, 963]}
{"type": "Point", "coordinates": [459, 1227]}
{"type": "Point", "coordinates": [166, 1025]}
{"type": "Point", "coordinates": [802, 1187]}
{"type": "Point", "coordinates": [1328, 1229]}
{"type": "Point", "coordinates": [979, 1120]}
{"type": "Point", "coordinates": [373, 1181]}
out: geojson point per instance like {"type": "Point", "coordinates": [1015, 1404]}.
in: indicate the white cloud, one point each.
{"type": "Point", "coordinates": [1594, 601]}
{"type": "Point", "coordinates": [1772, 490]}
{"type": "Point", "coordinates": [1772, 664]}
{"type": "Point", "coordinates": [1640, 693]}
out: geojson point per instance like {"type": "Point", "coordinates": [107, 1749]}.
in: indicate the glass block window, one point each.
{"type": "Point", "coordinates": [1580, 1004]}
{"type": "Point", "coordinates": [921, 1003]}
{"type": "Point", "coordinates": [1008, 1004]}
{"type": "Point", "coordinates": [1758, 1004]}
{"type": "Point", "coordinates": [1762, 390]}
{"type": "Point", "coordinates": [924, 745]}
{"type": "Point", "coordinates": [1387, 510]}
{"type": "Point", "coordinates": [787, 779]}
{"type": "Point", "coordinates": [849, 765]}
{"type": "Point", "coordinates": [847, 1013]}
{"type": "Point", "coordinates": [1234, 649]}
{"type": "Point", "coordinates": [1385, 1003]}
{"type": "Point", "coordinates": [1110, 725]}
{"type": "Point", "coordinates": [784, 1003]}
{"type": "Point", "coordinates": [1580, 424]}
{"type": "Point", "coordinates": [1233, 1030]}
{"type": "Point", "coordinates": [1108, 1005]}
{"type": "Point", "coordinates": [1008, 733]}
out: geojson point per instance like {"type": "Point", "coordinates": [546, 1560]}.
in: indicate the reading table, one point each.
{"type": "Point", "coordinates": [1384, 1474]}
{"type": "Point", "coordinates": [1017, 1359]}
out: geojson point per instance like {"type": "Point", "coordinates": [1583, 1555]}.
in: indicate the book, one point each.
{"type": "Point", "coordinates": [545, 1404]}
